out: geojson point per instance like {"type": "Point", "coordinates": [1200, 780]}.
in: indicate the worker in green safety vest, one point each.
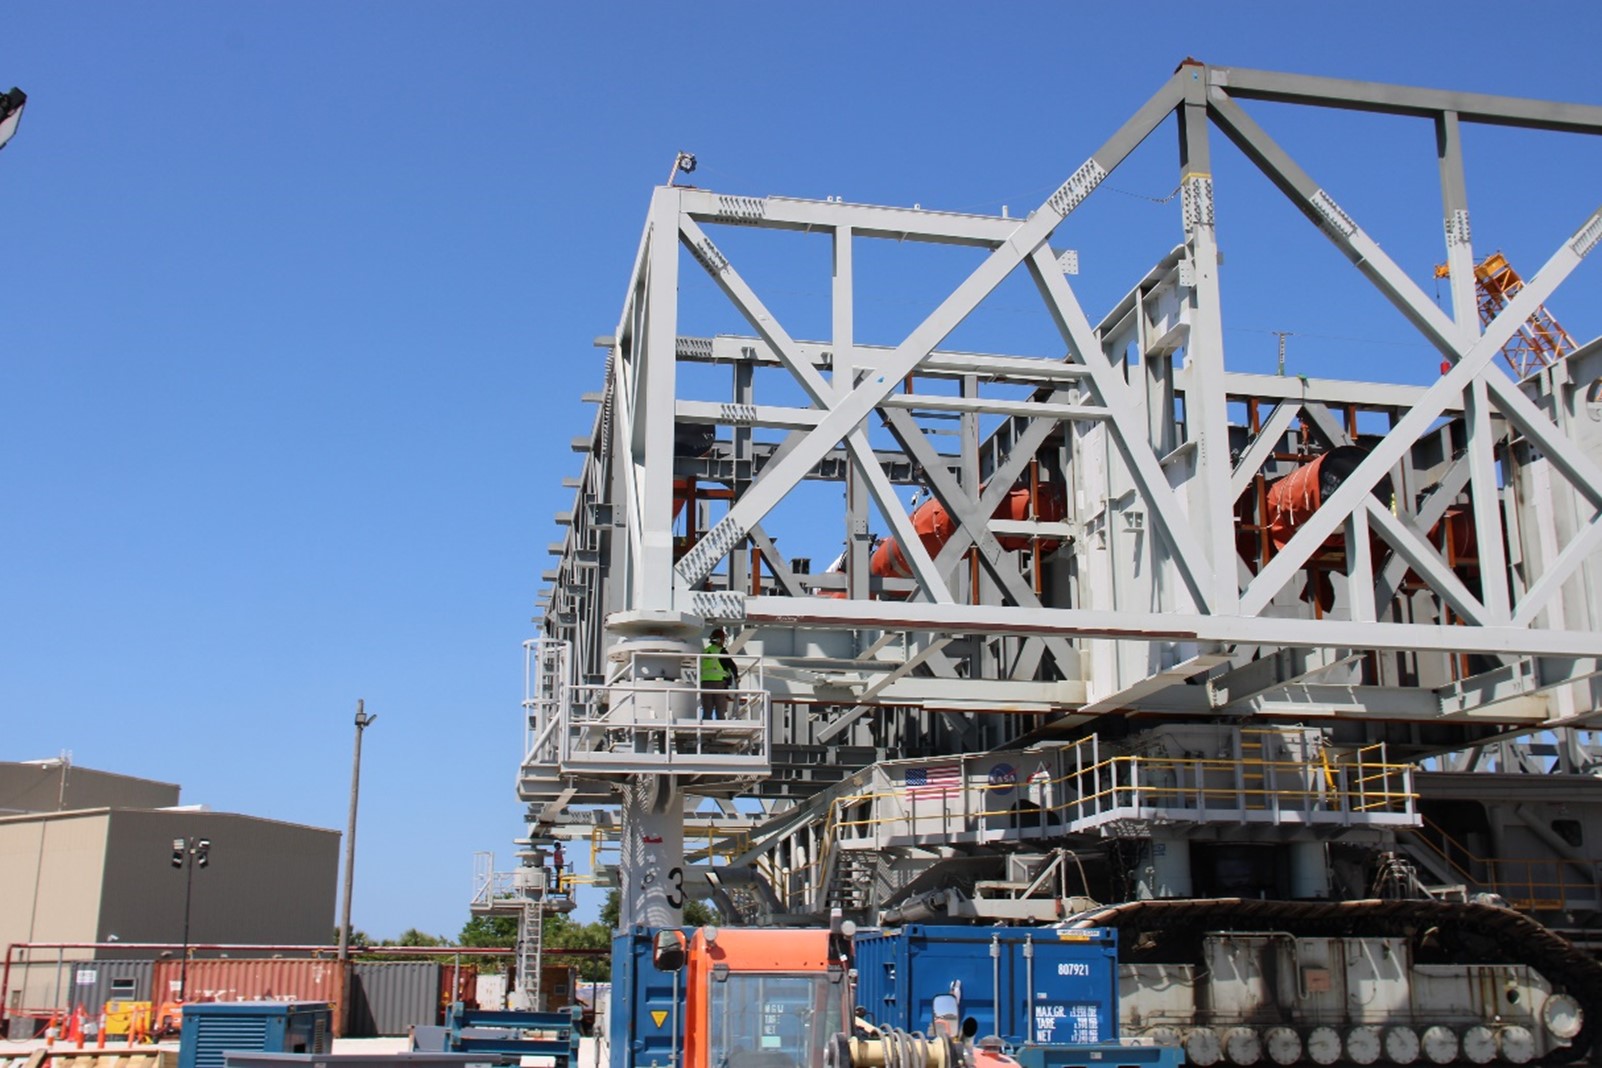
{"type": "Point", "coordinates": [718, 674]}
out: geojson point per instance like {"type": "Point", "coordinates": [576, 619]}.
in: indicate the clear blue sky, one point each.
{"type": "Point", "coordinates": [298, 299]}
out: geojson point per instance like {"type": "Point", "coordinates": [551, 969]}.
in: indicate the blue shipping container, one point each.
{"type": "Point", "coordinates": [646, 1016]}
{"type": "Point", "coordinates": [1024, 984]}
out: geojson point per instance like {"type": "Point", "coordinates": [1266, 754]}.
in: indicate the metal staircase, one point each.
{"type": "Point", "coordinates": [743, 896]}
{"type": "Point", "coordinates": [1548, 883]}
{"type": "Point", "coordinates": [852, 873]}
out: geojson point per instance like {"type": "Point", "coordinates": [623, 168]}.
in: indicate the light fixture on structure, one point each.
{"type": "Point", "coordinates": [10, 113]}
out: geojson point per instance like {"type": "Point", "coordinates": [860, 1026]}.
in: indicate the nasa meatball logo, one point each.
{"type": "Point", "coordinates": [1003, 777]}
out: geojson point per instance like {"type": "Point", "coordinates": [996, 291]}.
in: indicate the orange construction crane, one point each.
{"type": "Point", "coordinates": [1541, 341]}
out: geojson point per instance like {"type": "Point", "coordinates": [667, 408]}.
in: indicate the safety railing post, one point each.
{"type": "Point", "coordinates": [1271, 782]}
{"type": "Point", "coordinates": [1238, 767]}
{"type": "Point", "coordinates": [1343, 780]}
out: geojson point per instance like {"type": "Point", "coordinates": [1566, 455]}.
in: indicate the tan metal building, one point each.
{"type": "Point", "coordinates": [105, 874]}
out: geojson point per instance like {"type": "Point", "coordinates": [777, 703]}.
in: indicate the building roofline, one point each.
{"type": "Point", "coordinates": [55, 762]}
{"type": "Point", "coordinates": [79, 813]}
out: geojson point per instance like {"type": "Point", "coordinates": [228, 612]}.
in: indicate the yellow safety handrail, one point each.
{"type": "Point", "coordinates": [1357, 796]}
{"type": "Point", "coordinates": [1502, 873]}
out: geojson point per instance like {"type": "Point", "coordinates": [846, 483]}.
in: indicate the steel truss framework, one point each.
{"type": "Point", "coordinates": [1442, 600]}
{"type": "Point", "coordinates": [1151, 589]}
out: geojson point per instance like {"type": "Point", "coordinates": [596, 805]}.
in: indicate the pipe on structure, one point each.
{"type": "Point", "coordinates": [239, 947]}
{"type": "Point", "coordinates": [935, 526]}
{"type": "Point", "coordinates": [1292, 499]}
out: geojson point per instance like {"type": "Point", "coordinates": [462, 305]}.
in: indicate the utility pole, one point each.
{"type": "Point", "coordinates": [362, 722]}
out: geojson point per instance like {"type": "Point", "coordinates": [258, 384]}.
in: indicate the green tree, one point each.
{"type": "Point", "coordinates": [358, 938]}
{"type": "Point", "coordinates": [699, 914]}
{"type": "Point", "coordinates": [696, 913]}
{"type": "Point", "coordinates": [489, 931]}
{"type": "Point", "coordinates": [413, 937]}
{"type": "Point", "coordinates": [561, 932]}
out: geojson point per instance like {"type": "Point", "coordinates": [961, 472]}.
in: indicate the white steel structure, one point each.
{"type": "Point", "coordinates": [1107, 561]}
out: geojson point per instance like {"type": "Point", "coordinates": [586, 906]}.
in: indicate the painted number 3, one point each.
{"type": "Point", "coordinates": [675, 894]}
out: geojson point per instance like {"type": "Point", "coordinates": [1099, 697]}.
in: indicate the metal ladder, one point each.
{"type": "Point", "coordinates": [530, 951]}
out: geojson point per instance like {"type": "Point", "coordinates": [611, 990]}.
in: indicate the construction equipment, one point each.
{"type": "Point", "coordinates": [1540, 341]}
{"type": "Point", "coordinates": [1302, 670]}
{"type": "Point", "coordinates": [738, 997]}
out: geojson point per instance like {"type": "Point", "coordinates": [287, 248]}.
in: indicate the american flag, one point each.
{"type": "Point", "coordinates": [937, 780]}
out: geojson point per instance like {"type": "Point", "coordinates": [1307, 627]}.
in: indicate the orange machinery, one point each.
{"type": "Point", "coordinates": [935, 526]}
{"type": "Point", "coordinates": [757, 997]}
{"type": "Point", "coordinates": [1541, 341]}
{"type": "Point", "coordinates": [1267, 519]}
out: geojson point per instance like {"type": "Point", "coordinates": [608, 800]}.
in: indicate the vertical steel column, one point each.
{"type": "Point", "coordinates": [655, 382]}
{"type": "Point", "coordinates": [1206, 411]}
{"type": "Point", "coordinates": [859, 543]}
{"type": "Point", "coordinates": [978, 582]}
{"type": "Point", "coordinates": [1459, 245]}
{"type": "Point", "coordinates": [740, 564]}
{"type": "Point", "coordinates": [1486, 494]}
{"type": "Point", "coordinates": [651, 855]}
{"type": "Point", "coordinates": [1486, 497]}
{"type": "Point", "coordinates": [651, 861]}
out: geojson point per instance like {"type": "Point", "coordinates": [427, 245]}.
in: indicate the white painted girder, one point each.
{"type": "Point", "coordinates": [1167, 626]}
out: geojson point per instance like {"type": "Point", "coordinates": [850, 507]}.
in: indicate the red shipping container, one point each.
{"type": "Point", "coordinates": [262, 979]}
{"type": "Point", "coordinates": [457, 982]}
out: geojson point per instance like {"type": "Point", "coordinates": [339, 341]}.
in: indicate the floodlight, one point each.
{"type": "Point", "coordinates": [10, 113]}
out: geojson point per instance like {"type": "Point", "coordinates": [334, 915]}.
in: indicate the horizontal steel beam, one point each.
{"type": "Point", "coordinates": [1045, 370]}
{"type": "Point", "coordinates": [722, 413]}
{"type": "Point", "coordinates": [942, 363]}
{"type": "Point", "coordinates": [1028, 409]}
{"type": "Point", "coordinates": [721, 466]}
{"type": "Point", "coordinates": [1163, 627]}
{"type": "Point", "coordinates": [1247, 84]}
{"type": "Point", "coordinates": [1331, 391]}
{"type": "Point", "coordinates": [865, 220]}
{"type": "Point", "coordinates": [979, 695]}
{"type": "Point", "coordinates": [726, 414]}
